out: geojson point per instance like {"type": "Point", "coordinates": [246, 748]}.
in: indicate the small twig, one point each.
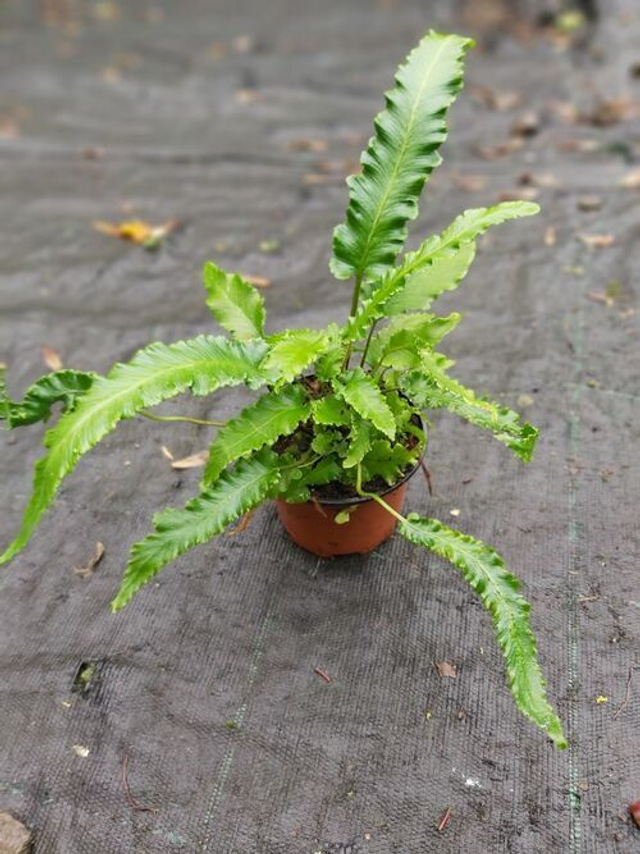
{"type": "Point", "coordinates": [242, 525]}
{"type": "Point", "coordinates": [323, 675]}
{"type": "Point", "coordinates": [427, 475]}
{"type": "Point", "coordinates": [133, 803]}
{"type": "Point", "coordinates": [444, 821]}
{"type": "Point", "coordinates": [318, 506]}
{"type": "Point", "coordinates": [627, 694]}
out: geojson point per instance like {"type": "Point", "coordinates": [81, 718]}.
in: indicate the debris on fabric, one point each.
{"type": "Point", "coordinates": [323, 675]}
{"type": "Point", "coordinates": [51, 358]}
{"type": "Point", "coordinates": [137, 231]}
{"type": "Point", "coordinates": [14, 836]}
{"type": "Point", "coordinates": [192, 461]}
{"type": "Point", "coordinates": [446, 670]}
{"type": "Point", "coordinates": [81, 750]}
{"type": "Point", "coordinates": [87, 568]}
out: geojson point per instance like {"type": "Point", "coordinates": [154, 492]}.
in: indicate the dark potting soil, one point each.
{"type": "Point", "coordinates": [241, 119]}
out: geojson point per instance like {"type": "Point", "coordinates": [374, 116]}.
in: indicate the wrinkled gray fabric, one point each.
{"type": "Point", "coordinates": [195, 111]}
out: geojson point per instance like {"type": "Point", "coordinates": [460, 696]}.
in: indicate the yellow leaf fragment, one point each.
{"type": "Point", "coordinates": [137, 231]}
{"type": "Point", "coordinates": [52, 358]}
{"type": "Point", "coordinates": [191, 462]}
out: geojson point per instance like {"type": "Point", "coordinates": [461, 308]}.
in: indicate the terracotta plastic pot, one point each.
{"type": "Point", "coordinates": [312, 525]}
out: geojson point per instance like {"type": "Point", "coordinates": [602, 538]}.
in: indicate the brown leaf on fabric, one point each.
{"type": "Point", "coordinates": [503, 149]}
{"type": "Point", "coordinates": [258, 281]}
{"type": "Point", "coordinates": [191, 462]}
{"type": "Point", "coordinates": [538, 179]}
{"type": "Point", "coordinates": [242, 525]}
{"type": "Point", "coordinates": [609, 112]}
{"type": "Point", "coordinates": [550, 236]}
{"type": "Point", "coordinates": [246, 96]}
{"type": "Point", "coordinates": [93, 561]}
{"type": "Point", "coordinates": [51, 358]}
{"type": "Point", "coordinates": [471, 183]}
{"type": "Point", "coordinates": [323, 674]}
{"type": "Point", "coordinates": [317, 146]}
{"type": "Point", "coordinates": [631, 180]}
{"type": "Point", "coordinates": [137, 231]}
{"type": "Point", "coordinates": [527, 193]}
{"type": "Point", "coordinates": [596, 241]}
{"type": "Point", "coordinates": [579, 146]}
{"type": "Point", "coordinates": [166, 452]}
{"type": "Point", "coordinates": [500, 100]}
{"type": "Point", "coordinates": [528, 124]}
{"type": "Point", "coordinates": [564, 110]}
{"type": "Point", "coordinates": [589, 203]}
{"type": "Point", "coordinates": [446, 670]}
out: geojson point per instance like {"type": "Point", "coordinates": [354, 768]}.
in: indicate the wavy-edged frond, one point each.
{"type": "Point", "coordinates": [158, 372]}
{"type": "Point", "coordinates": [291, 352]}
{"type": "Point", "coordinates": [64, 387]}
{"type": "Point", "coordinates": [444, 273]}
{"type": "Point", "coordinates": [330, 411]}
{"type": "Point", "coordinates": [176, 531]}
{"type": "Point", "coordinates": [273, 415]}
{"type": "Point", "coordinates": [433, 388]}
{"type": "Point", "coordinates": [398, 344]}
{"type": "Point", "coordinates": [363, 394]}
{"type": "Point", "coordinates": [400, 157]}
{"type": "Point", "coordinates": [435, 250]}
{"type": "Point", "coordinates": [485, 571]}
{"type": "Point", "coordinates": [235, 303]}
{"type": "Point", "coordinates": [359, 443]}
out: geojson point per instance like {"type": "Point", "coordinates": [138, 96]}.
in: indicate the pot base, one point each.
{"type": "Point", "coordinates": [312, 525]}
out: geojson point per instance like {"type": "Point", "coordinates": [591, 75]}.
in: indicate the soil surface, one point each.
{"type": "Point", "coordinates": [202, 720]}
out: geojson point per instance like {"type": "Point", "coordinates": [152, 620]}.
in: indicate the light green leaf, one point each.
{"type": "Point", "coordinates": [292, 352]}
{"type": "Point", "coordinates": [462, 231]}
{"type": "Point", "coordinates": [435, 389]}
{"type": "Point", "coordinates": [485, 571]}
{"type": "Point", "coordinates": [235, 303]}
{"type": "Point", "coordinates": [176, 531]}
{"type": "Point", "coordinates": [64, 387]}
{"type": "Point", "coordinates": [387, 461]}
{"type": "Point", "coordinates": [400, 157]}
{"type": "Point", "coordinates": [330, 411]}
{"type": "Point", "coordinates": [443, 274]}
{"type": "Point", "coordinates": [360, 443]}
{"type": "Point", "coordinates": [398, 345]}
{"type": "Point", "coordinates": [158, 372]}
{"type": "Point", "coordinates": [363, 394]}
{"type": "Point", "coordinates": [275, 414]}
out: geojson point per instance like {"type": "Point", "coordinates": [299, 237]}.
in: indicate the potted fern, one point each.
{"type": "Point", "coordinates": [338, 427]}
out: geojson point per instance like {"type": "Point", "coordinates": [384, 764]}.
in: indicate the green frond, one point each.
{"type": "Point", "coordinates": [363, 394]}
{"type": "Point", "coordinates": [485, 571]}
{"type": "Point", "coordinates": [447, 249]}
{"type": "Point", "coordinates": [433, 388]}
{"type": "Point", "coordinates": [330, 411]}
{"type": "Point", "coordinates": [292, 352]}
{"type": "Point", "coordinates": [235, 303]}
{"type": "Point", "coordinates": [64, 387]}
{"type": "Point", "coordinates": [176, 531]}
{"type": "Point", "coordinates": [398, 344]}
{"type": "Point", "coordinates": [401, 155]}
{"type": "Point", "coordinates": [359, 443]}
{"type": "Point", "coordinates": [158, 372]}
{"type": "Point", "coordinates": [273, 415]}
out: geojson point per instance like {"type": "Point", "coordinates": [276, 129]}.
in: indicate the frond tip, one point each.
{"type": "Point", "coordinates": [485, 571]}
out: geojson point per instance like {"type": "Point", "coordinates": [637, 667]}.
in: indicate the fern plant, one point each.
{"type": "Point", "coordinates": [337, 406]}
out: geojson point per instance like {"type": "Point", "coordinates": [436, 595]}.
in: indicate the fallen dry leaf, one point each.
{"type": "Point", "coordinates": [472, 183]}
{"type": "Point", "coordinates": [528, 124]}
{"type": "Point", "coordinates": [258, 281]}
{"type": "Point", "coordinates": [596, 241]}
{"type": "Point", "coordinates": [528, 193]}
{"type": "Point", "coordinates": [606, 113]}
{"type": "Point", "coordinates": [191, 462]}
{"type": "Point", "coordinates": [503, 149]}
{"type": "Point", "coordinates": [318, 146]}
{"type": "Point", "coordinates": [500, 100]}
{"type": "Point", "coordinates": [52, 358]}
{"type": "Point", "coordinates": [589, 203]}
{"type": "Point", "coordinates": [538, 179]}
{"type": "Point", "coordinates": [166, 452]}
{"type": "Point", "coordinates": [446, 670]}
{"type": "Point", "coordinates": [631, 180]}
{"type": "Point", "coordinates": [81, 750]}
{"type": "Point", "coordinates": [550, 236]}
{"type": "Point", "coordinates": [581, 146]}
{"type": "Point", "coordinates": [454, 512]}
{"type": "Point", "coordinates": [242, 524]}
{"type": "Point", "coordinates": [634, 811]}
{"type": "Point", "coordinates": [93, 561]}
{"type": "Point", "coordinates": [246, 96]}
{"type": "Point", "coordinates": [137, 231]}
